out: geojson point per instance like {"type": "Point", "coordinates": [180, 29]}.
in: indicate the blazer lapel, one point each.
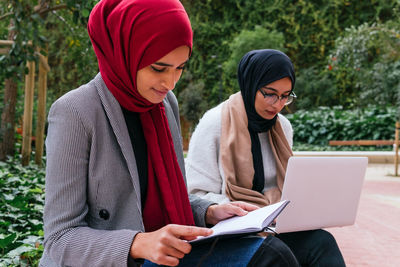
{"type": "Point", "coordinates": [117, 121]}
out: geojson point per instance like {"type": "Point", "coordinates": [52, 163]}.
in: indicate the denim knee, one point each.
{"type": "Point", "coordinates": [273, 252]}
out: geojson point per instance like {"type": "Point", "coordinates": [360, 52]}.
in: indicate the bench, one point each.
{"type": "Point", "coordinates": [361, 142]}
{"type": "Point", "coordinates": [375, 143]}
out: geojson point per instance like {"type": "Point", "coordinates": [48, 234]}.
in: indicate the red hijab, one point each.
{"type": "Point", "coordinates": [128, 35]}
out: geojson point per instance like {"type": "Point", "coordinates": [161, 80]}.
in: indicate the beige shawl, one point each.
{"type": "Point", "coordinates": [237, 159]}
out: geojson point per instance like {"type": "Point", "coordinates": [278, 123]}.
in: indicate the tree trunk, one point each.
{"type": "Point", "coordinates": [8, 120]}
{"type": "Point", "coordinates": [7, 124]}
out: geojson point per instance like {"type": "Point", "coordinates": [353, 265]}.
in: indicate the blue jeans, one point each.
{"type": "Point", "coordinates": [314, 248]}
{"type": "Point", "coordinates": [238, 252]}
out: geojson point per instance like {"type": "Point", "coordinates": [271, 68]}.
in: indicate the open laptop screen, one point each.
{"type": "Point", "coordinates": [323, 192]}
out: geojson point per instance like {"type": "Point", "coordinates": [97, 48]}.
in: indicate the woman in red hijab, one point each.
{"type": "Point", "coordinates": [115, 185]}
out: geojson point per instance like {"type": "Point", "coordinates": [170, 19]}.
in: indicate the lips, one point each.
{"type": "Point", "coordinates": [160, 92]}
{"type": "Point", "coordinates": [271, 113]}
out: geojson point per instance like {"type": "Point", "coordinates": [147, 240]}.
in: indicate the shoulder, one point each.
{"type": "Point", "coordinates": [170, 102]}
{"type": "Point", "coordinates": [207, 132]}
{"type": "Point", "coordinates": [286, 125]}
{"type": "Point", "coordinates": [84, 99]}
{"type": "Point", "coordinates": [287, 129]}
{"type": "Point", "coordinates": [211, 120]}
{"type": "Point", "coordinates": [80, 106]}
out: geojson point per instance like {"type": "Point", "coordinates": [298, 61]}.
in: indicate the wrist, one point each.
{"type": "Point", "coordinates": [135, 251]}
{"type": "Point", "coordinates": [210, 220]}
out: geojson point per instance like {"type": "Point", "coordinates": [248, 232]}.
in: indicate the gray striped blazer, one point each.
{"type": "Point", "coordinates": [92, 205]}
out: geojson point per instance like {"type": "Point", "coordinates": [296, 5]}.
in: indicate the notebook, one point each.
{"type": "Point", "coordinates": [253, 222]}
{"type": "Point", "coordinates": [323, 192]}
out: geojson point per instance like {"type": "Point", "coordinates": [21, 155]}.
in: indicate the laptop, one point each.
{"type": "Point", "coordinates": [323, 192]}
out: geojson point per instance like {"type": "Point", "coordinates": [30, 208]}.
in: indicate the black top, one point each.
{"type": "Point", "coordinates": [139, 146]}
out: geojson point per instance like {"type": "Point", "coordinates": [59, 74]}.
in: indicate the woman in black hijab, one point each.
{"type": "Point", "coordinates": [240, 149]}
{"type": "Point", "coordinates": [257, 70]}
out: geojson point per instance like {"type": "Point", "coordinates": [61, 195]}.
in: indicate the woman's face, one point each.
{"type": "Point", "coordinates": [280, 87]}
{"type": "Point", "coordinates": [154, 81]}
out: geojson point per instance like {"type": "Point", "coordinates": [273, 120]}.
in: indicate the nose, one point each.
{"type": "Point", "coordinates": [169, 81]}
{"type": "Point", "coordinates": [279, 104]}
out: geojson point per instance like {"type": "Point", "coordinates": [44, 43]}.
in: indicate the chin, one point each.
{"type": "Point", "coordinates": [269, 117]}
{"type": "Point", "coordinates": [155, 99]}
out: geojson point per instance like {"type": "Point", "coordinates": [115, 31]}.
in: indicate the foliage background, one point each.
{"type": "Point", "coordinates": [21, 209]}
{"type": "Point", "coordinates": [313, 33]}
{"type": "Point", "coordinates": [310, 29]}
{"type": "Point", "coordinates": [324, 124]}
{"type": "Point", "coordinates": [346, 54]}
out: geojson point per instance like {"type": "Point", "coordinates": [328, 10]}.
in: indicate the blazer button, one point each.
{"type": "Point", "coordinates": [104, 214]}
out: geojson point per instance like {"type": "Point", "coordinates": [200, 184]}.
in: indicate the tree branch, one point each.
{"type": "Point", "coordinates": [63, 21]}
{"type": "Point", "coordinates": [38, 10]}
{"type": "Point", "coordinates": [5, 15]}
{"type": "Point", "coordinates": [49, 9]}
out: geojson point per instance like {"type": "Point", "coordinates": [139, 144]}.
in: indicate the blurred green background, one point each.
{"type": "Point", "coordinates": [346, 55]}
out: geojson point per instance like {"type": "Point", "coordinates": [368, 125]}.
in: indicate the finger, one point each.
{"type": "Point", "coordinates": [188, 238]}
{"type": "Point", "coordinates": [169, 251]}
{"type": "Point", "coordinates": [245, 206]}
{"type": "Point", "coordinates": [161, 255]}
{"type": "Point", "coordinates": [188, 231]}
{"type": "Point", "coordinates": [180, 245]}
{"type": "Point", "coordinates": [167, 261]}
{"type": "Point", "coordinates": [169, 239]}
{"type": "Point", "coordinates": [173, 252]}
{"type": "Point", "coordinates": [236, 210]}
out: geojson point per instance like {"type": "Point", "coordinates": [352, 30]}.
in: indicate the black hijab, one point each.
{"type": "Point", "coordinates": [256, 69]}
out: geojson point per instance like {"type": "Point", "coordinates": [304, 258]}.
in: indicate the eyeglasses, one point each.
{"type": "Point", "coordinates": [273, 98]}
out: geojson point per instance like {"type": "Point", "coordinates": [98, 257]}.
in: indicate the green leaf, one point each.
{"type": "Point", "coordinates": [8, 197]}
{"type": "Point", "coordinates": [31, 240]}
{"type": "Point", "coordinates": [4, 242]}
{"type": "Point", "coordinates": [20, 250]}
{"type": "Point", "coordinates": [36, 190]}
{"type": "Point", "coordinates": [41, 233]}
{"type": "Point", "coordinates": [19, 202]}
{"type": "Point", "coordinates": [85, 13]}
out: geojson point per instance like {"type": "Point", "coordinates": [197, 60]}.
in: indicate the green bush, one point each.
{"type": "Point", "coordinates": [21, 211]}
{"type": "Point", "coordinates": [315, 87]}
{"type": "Point", "coordinates": [192, 103]}
{"type": "Point", "coordinates": [71, 57]}
{"type": "Point", "coordinates": [245, 41]}
{"type": "Point", "coordinates": [380, 84]}
{"type": "Point", "coordinates": [318, 126]}
{"type": "Point", "coordinates": [310, 29]}
{"type": "Point", "coordinates": [365, 65]}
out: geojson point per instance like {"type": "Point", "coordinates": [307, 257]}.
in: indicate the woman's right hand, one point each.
{"type": "Point", "coordinates": [166, 245]}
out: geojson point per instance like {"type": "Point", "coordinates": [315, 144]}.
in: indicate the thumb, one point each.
{"type": "Point", "coordinates": [238, 211]}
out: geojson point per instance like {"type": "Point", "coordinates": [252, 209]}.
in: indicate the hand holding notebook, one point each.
{"type": "Point", "coordinates": [253, 222]}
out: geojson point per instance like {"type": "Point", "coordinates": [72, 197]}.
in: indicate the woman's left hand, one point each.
{"type": "Point", "coordinates": [216, 213]}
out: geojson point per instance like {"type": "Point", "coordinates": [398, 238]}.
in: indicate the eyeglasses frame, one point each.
{"type": "Point", "coordinates": [265, 95]}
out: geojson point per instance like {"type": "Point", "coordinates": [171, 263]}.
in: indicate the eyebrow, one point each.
{"type": "Point", "coordinates": [273, 89]}
{"type": "Point", "coordinates": [168, 65]}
